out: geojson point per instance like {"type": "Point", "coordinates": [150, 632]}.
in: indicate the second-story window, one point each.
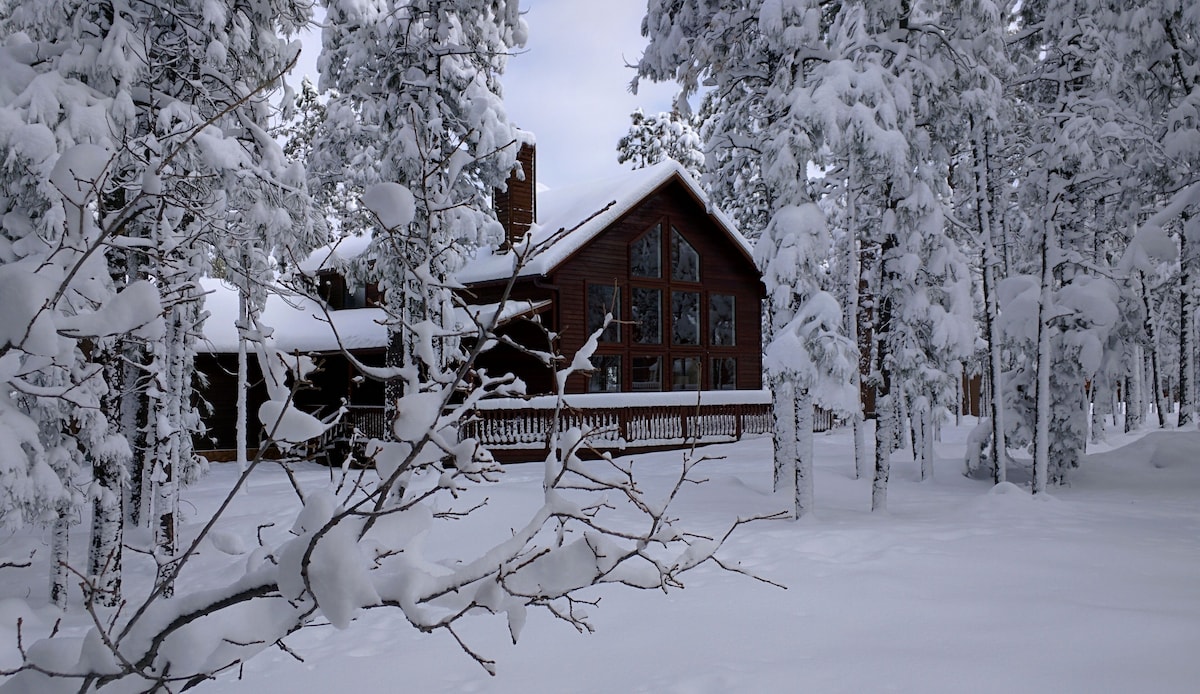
{"type": "Point", "coordinates": [685, 261]}
{"type": "Point", "coordinates": [645, 254]}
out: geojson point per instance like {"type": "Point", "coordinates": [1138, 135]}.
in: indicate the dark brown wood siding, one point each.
{"type": "Point", "coordinates": [724, 269]}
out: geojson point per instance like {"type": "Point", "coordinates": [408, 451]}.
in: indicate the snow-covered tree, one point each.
{"type": "Point", "coordinates": [175, 96]}
{"type": "Point", "coordinates": [417, 103]}
{"type": "Point", "coordinates": [759, 57]}
{"type": "Point", "coordinates": [654, 138]}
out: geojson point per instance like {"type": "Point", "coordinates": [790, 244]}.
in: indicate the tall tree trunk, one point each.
{"type": "Point", "coordinates": [854, 280]}
{"type": "Point", "coordinates": [1156, 384]}
{"type": "Point", "coordinates": [243, 367]}
{"type": "Point", "coordinates": [1041, 437]}
{"type": "Point", "coordinates": [108, 515]}
{"type": "Point", "coordinates": [983, 212]}
{"type": "Point", "coordinates": [1186, 361]}
{"type": "Point", "coordinates": [170, 429]}
{"type": "Point", "coordinates": [885, 402]}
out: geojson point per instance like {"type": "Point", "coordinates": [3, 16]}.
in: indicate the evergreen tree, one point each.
{"type": "Point", "coordinates": [663, 136]}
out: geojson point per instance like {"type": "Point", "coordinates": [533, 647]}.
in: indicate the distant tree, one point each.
{"type": "Point", "coordinates": [654, 138]}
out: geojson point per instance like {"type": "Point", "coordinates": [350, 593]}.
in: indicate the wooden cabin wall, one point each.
{"type": "Point", "coordinates": [724, 270]}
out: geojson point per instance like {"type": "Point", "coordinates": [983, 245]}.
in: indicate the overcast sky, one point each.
{"type": "Point", "coordinates": [570, 86]}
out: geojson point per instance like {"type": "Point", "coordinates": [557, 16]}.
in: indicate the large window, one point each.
{"type": "Point", "coordinates": [603, 299]}
{"type": "Point", "coordinates": [646, 312]}
{"type": "Point", "coordinates": [685, 318]}
{"type": "Point", "coordinates": [680, 336]}
{"type": "Point", "coordinates": [721, 320]}
{"type": "Point", "coordinates": [606, 376]}
{"type": "Point", "coordinates": [685, 261]}
{"type": "Point", "coordinates": [647, 373]}
{"type": "Point", "coordinates": [645, 254]}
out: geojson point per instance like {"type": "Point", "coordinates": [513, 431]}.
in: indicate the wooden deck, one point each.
{"type": "Point", "coordinates": [517, 430]}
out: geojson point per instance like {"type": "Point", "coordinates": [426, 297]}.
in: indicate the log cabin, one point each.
{"type": "Point", "coordinates": [680, 362]}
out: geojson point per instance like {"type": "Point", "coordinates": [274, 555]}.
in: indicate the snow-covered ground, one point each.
{"type": "Point", "coordinates": [959, 587]}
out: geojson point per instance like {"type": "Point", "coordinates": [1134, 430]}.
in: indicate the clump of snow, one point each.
{"type": "Point", "coordinates": [287, 425]}
{"type": "Point", "coordinates": [135, 310]}
{"type": "Point", "coordinates": [228, 542]}
{"type": "Point", "coordinates": [24, 318]}
{"type": "Point", "coordinates": [392, 203]}
{"type": "Point", "coordinates": [78, 171]}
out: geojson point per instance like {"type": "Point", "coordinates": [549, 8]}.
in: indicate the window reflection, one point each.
{"type": "Point", "coordinates": [646, 373]}
{"type": "Point", "coordinates": [724, 374]}
{"type": "Point", "coordinates": [685, 373]}
{"type": "Point", "coordinates": [721, 320]}
{"type": "Point", "coordinates": [685, 318]}
{"type": "Point", "coordinates": [646, 312]}
{"type": "Point", "coordinates": [645, 254]}
{"type": "Point", "coordinates": [685, 261]}
{"type": "Point", "coordinates": [602, 299]}
{"type": "Point", "coordinates": [606, 377]}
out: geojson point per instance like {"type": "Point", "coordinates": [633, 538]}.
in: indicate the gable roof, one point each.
{"type": "Point", "coordinates": [571, 217]}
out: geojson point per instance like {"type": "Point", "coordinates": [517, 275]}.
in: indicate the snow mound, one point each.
{"type": "Point", "coordinates": [1167, 460]}
{"type": "Point", "coordinates": [1010, 500]}
{"type": "Point", "coordinates": [228, 542]}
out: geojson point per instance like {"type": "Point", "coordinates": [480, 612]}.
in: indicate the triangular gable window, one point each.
{"type": "Point", "coordinates": [645, 254]}
{"type": "Point", "coordinates": [685, 261]}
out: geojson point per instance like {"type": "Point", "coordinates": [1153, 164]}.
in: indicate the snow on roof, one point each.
{"type": "Point", "coordinates": [300, 324]}
{"type": "Point", "coordinates": [571, 217]}
{"type": "Point", "coordinates": [335, 255]}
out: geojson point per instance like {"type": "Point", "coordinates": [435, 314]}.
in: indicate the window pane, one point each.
{"type": "Point", "coordinates": [647, 316]}
{"type": "Point", "coordinates": [685, 373]}
{"type": "Point", "coordinates": [724, 374]}
{"type": "Point", "coordinates": [355, 297]}
{"type": "Point", "coordinates": [606, 378]}
{"type": "Point", "coordinates": [721, 319]}
{"type": "Point", "coordinates": [685, 261]}
{"type": "Point", "coordinates": [600, 301]}
{"type": "Point", "coordinates": [685, 318]}
{"type": "Point", "coordinates": [645, 255]}
{"type": "Point", "coordinates": [647, 373]}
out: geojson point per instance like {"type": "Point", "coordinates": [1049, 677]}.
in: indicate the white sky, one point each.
{"type": "Point", "coordinates": [569, 86]}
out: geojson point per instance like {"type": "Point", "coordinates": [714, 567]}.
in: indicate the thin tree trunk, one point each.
{"type": "Point", "coordinates": [60, 557]}
{"type": "Point", "coordinates": [243, 412]}
{"type": "Point", "coordinates": [854, 280]}
{"type": "Point", "coordinates": [1041, 439]}
{"type": "Point", "coordinates": [1186, 362]}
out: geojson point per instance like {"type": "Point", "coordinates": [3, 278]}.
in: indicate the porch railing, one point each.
{"type": "Point", "coordinates": [613, 421]}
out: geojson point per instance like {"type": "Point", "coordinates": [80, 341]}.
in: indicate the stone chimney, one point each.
{"type": "Point", "coordinates": [516, 207]}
